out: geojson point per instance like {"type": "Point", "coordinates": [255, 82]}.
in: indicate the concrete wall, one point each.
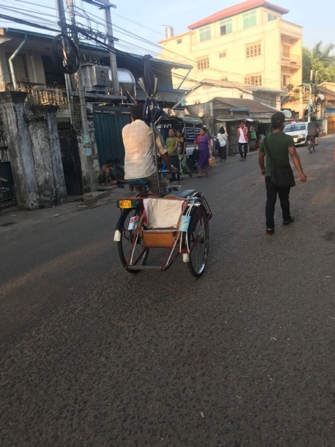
{"type": "Point", "coordinates": [34, 151]}
{"type": "Point", "coordinates": [20, 149]}
{"type": "Point", "coordinates": [207, 93]}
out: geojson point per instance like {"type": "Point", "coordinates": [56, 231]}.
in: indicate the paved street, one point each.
{"type": "Point", "coordinates": [244, 356]}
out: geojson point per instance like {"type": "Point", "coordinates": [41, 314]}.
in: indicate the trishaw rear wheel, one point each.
{"type": "Point", "coordinates": [198, 241]}
{"type": "Point", "coordinates": [125, 245]}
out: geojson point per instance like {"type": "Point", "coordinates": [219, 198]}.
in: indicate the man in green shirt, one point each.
{"type": "Point", "coordinates": [281, 146]}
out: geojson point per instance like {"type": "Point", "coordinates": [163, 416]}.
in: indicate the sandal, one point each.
{"type": "Point", "coordinates": [270, 231]}
{"type": "Point", "coordinates": [199, 176]}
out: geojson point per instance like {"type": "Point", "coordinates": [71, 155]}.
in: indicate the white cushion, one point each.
{"type": "Point", "coordinates": [162, 213]}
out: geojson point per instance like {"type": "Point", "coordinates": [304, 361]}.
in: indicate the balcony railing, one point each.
{"type": "Point", "coordinates": [40, 94]}
{"type": "Point", "coordinates": [292, 60]}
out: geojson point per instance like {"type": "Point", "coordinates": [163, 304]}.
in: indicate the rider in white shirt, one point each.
{"type": "Point", "coordinates": [139, 151]}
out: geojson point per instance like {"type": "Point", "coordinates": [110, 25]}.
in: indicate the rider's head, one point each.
{"type": "Point", "coordinates": [171, 133]}
{"type": "Point", "coordinates": [278, 121]}
{"type": "Point", "coordinates": [136, 112]}
{"type": "Point", "coordinates": [313, 118]}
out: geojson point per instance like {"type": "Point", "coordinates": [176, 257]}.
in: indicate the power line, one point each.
{"type": "Point", "coordinates": [35, 4]}
{"type": "Point", "coordinates": [26, 13]}
{"type": "Point", "coordinates": [88, 35]}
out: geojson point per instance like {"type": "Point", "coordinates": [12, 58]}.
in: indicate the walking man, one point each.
{"type": "Point", "coordinates": [242, 138]}
{"type": "Point", "coordinates": [281, 145]}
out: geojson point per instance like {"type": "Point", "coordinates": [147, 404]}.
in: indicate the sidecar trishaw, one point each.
{"type": "Point", "coordinates": [177, 222]}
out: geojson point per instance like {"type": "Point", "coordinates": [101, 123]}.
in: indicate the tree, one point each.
{"type": "Point", "coordinates": [323, 55]}
{"type": "Point", "coordinates": [319, 60]}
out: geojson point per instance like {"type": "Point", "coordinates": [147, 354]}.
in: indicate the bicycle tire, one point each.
{"type": "Point", "coordinates": [121, 249]}
{"type": "Point", "coordinates": [195, 268]}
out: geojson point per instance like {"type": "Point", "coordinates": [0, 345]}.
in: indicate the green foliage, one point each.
{"type": "Point", "coordinates": [320, 60]}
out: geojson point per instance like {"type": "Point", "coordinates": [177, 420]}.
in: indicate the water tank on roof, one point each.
{"type": "Point", "coordinates": [126, 80]}
{"type": "Point", "coordinates": [98, 79]}
{"type": "Point", "coordinates": [169, 32]}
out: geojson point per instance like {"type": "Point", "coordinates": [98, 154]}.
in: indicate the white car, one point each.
{"type": "Point", "coordinates": [299, 132]}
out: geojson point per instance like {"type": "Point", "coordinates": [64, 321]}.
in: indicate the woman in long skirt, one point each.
{"type": "Point", "coordinates": [205, 152]}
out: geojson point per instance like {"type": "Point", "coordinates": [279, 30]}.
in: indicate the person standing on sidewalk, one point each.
{"type": "Point", "coordinates": [181, 149]}
{"type": "Point", "coordinates": [281, 146]}
{"type": "Point", "coordinates": [222, 138]}
{"type": "Point", "coordinates": [242, 138]}
{"type": "Point", "coordinates": [171, 146]}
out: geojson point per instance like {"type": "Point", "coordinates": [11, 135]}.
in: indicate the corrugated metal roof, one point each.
{"type": "Point", "coordinates": [13, 32]}
{"type": "Point", "coordinates": [251, 104]}
{"type": "Point", "coordinates": [237, 9]}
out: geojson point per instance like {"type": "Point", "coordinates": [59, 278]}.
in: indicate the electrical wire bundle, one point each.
{"type": "Point", "coordinates": [69, 62]}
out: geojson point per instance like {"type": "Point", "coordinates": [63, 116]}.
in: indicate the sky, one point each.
{"type": "Point", "coordinates": [151, 17]}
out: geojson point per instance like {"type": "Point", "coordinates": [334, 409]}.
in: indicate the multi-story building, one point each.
{"type": "Point", "coordinates": [248, 43]}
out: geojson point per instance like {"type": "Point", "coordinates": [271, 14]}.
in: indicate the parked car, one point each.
{"type": "Point", "coordinates": [299, 132]}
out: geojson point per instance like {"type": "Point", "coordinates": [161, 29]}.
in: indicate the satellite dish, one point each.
{"type": "Point", "coordinates": [287, 113]}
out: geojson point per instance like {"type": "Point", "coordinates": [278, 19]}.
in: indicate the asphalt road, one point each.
{"type": "Point", "coordinates": [244, 356]}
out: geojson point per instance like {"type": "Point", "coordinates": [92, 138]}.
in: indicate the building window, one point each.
{"type": "Point", "coordinates": [255, 79]}
{"type": "Point", "coordinates": [286, 80]}
{"type": "Point", "coordinates": [249, 19]}
{"type": "Point", "coordinates": [179, 41]}
{"type": "Point", "coordinates": [286, 51]}
{"type": "Point", "coordinates": [203, 63]}
{"type": "Point", "coordinates": [226, 27]}
{"type": "Point", "coordinates": [271, 17]}
{"type": "Point", "coordinates": [205, 33]}
{"type": "Point", "coordinates": [253, 50]}
{"type": "Point", "coordinates": [20, 67]}
{"type": "Point", "coordinates": [221, 55]}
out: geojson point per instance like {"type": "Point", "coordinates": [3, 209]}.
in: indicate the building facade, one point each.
{"type": "Point", "coordinates": [249, 43]}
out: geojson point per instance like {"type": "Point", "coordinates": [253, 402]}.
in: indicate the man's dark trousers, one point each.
{"type": "Point", "coordinates": [271, 197]}
{"type": "Point", "coordinates": [245, 147]}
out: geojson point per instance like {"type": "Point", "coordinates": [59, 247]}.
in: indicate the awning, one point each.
{"type": "Point", "coordinates": [264, 121]}
{"type": "Point", "coordinates": [235, 117]}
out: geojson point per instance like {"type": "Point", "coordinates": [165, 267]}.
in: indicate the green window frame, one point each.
{"type": "Point", "coordinates": [226, 27]}
{"type": "Point", "coordinates": [249, 19]}
{"type": "Point", "coordinates": [271, 17]}
{"type": "Point", "coordinates": [205, 33]}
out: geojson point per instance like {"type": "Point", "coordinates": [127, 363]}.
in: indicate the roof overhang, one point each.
{"type": "Point", "coordinates": [238, 9]}
{"type": "Point", "coordinates": [232, 117]}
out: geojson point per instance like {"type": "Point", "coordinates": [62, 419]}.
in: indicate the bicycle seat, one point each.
{"type": "Point", "coordinates": [138, 181]}
{"type": "Point", "coordinates": [183, 194]}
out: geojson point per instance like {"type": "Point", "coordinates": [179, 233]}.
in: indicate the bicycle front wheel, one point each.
{"type": "Point", "coordinates": [198, 241]}
{"type": "Point", "coordinates": [128, 236]}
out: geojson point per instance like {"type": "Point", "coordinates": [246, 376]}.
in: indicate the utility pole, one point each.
{"type": "Point", "coordinates": [68, 82]}
{"type": "Point", "coordinates": [81, 92]}
{"type": "Point", "coordinates": [310, 96]}
{"type": "Point", "coordinates": [104, 4]}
